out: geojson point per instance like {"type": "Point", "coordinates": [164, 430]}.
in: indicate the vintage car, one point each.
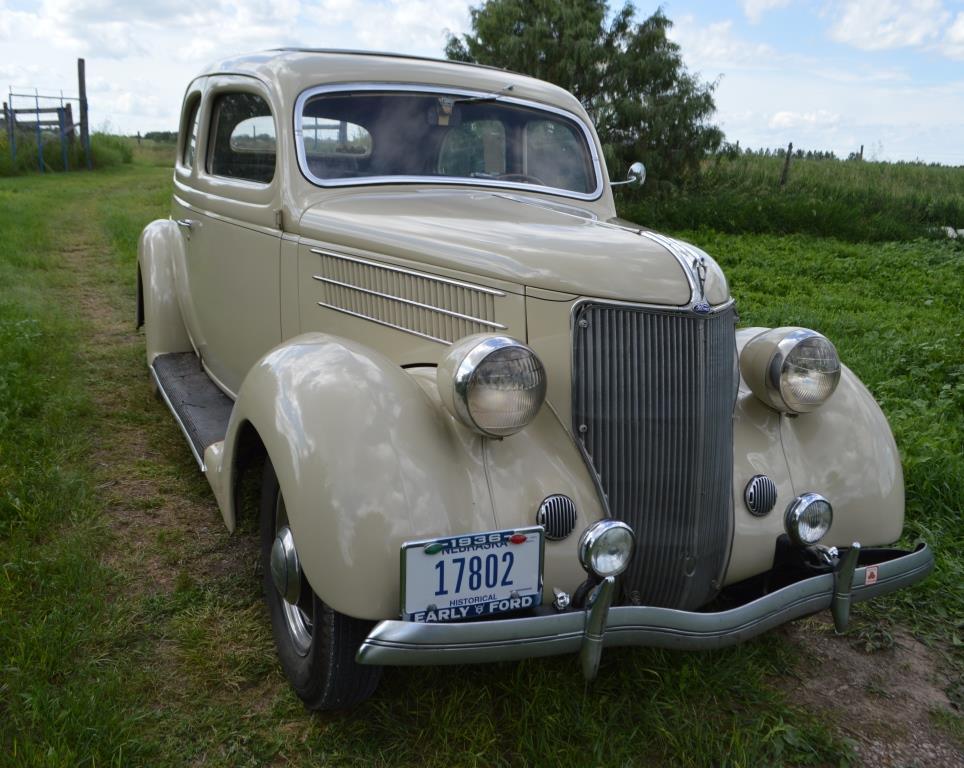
{"type": "Point", "coordinates": [489, 419]}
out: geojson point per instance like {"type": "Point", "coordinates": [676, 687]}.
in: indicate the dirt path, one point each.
{"type": "Point", "coordinates": [882, 697]}
{"type": "Point", "coordinates": [170, 539]}
{"type": "Point", "coordinates": [150, 485]}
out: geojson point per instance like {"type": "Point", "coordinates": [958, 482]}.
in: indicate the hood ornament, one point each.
{"type": "Point", "coordinates": [698, 266]}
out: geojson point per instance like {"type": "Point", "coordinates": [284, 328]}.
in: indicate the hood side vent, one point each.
{"type": "Point", "coordinates": [424, 305]}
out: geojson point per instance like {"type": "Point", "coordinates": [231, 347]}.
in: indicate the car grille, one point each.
{"type": "Point", "coordinates": [653, 396]}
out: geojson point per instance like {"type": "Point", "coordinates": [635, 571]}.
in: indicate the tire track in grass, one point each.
{"type": "Point", "coordinates": [205, 651]}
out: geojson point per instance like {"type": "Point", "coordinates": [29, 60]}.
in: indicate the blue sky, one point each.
{"type": "Point", "coordinates": [825, 74]}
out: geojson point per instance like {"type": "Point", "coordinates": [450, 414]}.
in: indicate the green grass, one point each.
{"type": "Point", "coordinates": [849, 200]}
{"type": "Point", "coordinates": [132, 631]}
{"type": "Point", "coordinates": [106, 151]}
{"type": "Point", "coordinates": [894, 312]}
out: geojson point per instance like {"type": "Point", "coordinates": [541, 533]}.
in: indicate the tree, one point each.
{"type": "Point", "coordinates": [629, 76]}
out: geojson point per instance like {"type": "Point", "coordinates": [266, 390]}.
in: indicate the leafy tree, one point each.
{"type": "Point", "coordinates": [629, 76]}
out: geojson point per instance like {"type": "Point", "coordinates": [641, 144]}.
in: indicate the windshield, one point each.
{"type": "Point", "coordinates": [390, 136]}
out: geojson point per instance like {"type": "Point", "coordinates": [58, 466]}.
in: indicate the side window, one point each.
{"type": "Point", "coordinates": [474, 148]}
{"type": "Point", "coordinates": [190, 142]}
{"type": "Point", "coordinates": [243, 141]}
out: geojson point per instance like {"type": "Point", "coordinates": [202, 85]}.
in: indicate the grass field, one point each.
{"type": "Point", "coordinates": [131, 626]}
{"type": "Point", "coordinates": [850, 200]}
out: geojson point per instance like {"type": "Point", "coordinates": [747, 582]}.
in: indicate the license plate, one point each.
{"type": "Point", "coordinates": [472, 575]}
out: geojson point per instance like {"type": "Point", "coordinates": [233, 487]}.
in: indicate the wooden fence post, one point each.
{"type": "Point", "coordinates": [786, 165]}
{"type": "Point", "coordinates": [70, 124]}
{"type": "Point", "coordinates": [84, 131]}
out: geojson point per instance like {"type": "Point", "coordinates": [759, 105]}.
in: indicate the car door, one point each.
{"type": "Point", "coordinates": [228, 283]}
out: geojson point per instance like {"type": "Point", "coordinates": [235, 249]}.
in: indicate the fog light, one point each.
{"type": "Point", "coordinates": [808, 519]}
{"type": "Point", "coordinates": [606, 547]}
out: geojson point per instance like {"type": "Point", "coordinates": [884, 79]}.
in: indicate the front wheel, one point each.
{"type": "Point", "coordinates": [316, 644]}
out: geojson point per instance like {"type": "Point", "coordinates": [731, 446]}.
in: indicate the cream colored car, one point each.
{"type": "Point", "coordinates": [489, 419]}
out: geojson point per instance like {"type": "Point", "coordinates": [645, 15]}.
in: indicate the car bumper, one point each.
{"type": "Point", "coordinates": [876, 572]}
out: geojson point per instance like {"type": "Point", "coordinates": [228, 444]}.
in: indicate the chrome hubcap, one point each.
{"type": "Point", "coordinates": [285, 568]}
{"type": "Point", "coordinates": [286, 575]}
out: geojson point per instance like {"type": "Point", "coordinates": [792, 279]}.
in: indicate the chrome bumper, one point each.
{"type": "Point", "coordinates": [410, 643]}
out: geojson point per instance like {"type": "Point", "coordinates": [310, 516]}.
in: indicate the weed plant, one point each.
{"type": "Point", "coordinates": [106, 151]}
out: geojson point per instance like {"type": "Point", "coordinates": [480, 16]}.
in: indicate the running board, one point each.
{"type": "Point", "coordinates": [201, 409]}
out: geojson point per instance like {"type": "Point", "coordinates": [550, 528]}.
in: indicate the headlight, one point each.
{"type": "Point", "coordinates": [794, 370]}
{"type": "Point", "coordinates": [493, 384]}
{"type": "Point", "coordinates": [606, 547]}
{"type": "Point", "coordinates": [808, 519]}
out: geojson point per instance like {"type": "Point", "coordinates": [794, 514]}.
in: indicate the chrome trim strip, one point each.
{"type": "Point", "coordinates": [412, 272]}
{"type": "Point", "coordinates": [410, 302]}
{"type": "Point", "coordinates": [685, 254]}
{"type": "Point", "coordinates": [383, 322]}
{"type": "Point", "coordinates": [442, 181]}
{"type": "Point", "coordinates": [406, 643]}
{"type": "Point", "coordinates": [167, 402]}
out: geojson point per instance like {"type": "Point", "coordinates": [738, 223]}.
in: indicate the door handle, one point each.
{"type": "Point", "coordinates": [188, 224]}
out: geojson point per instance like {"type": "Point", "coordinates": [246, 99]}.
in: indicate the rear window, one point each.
{"type": "Point", "coordinates": [243, 140]}
{"type": "Point", "coordinates": [402, 136]}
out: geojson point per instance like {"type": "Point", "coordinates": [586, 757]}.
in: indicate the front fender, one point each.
{"type": "Point", "coordinates": [365, 461]}
{"type": "Point", "coordinates": [159, 245]}
{"type": "Point", "coordinates": [843, 450]}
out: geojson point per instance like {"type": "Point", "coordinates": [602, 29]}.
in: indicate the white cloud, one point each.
{"type": "Point", "coordinates": [143, 54]}
{"type": "Point", "coordinates": [819, 118]}
{"type": "Point", "coordinates": [875, 25]}
{"type": "Point", "coordinates": [716, 46]}
{"type": "Point", "coordinates": [402, 25]}
{"type": "Point", "coordinates": [953, 44]}
{"type": "Point", "coordinates": [754, 9]}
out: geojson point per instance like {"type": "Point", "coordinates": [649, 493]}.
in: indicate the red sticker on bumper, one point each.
{"type": "Point", "coordinates": [870, 576]}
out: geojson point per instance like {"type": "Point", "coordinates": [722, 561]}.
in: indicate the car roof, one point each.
{"type": "Point", "coordinates": [292, 70]}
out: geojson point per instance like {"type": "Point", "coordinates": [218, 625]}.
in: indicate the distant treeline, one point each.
{"type": "Point", "coordinates": [732, 150]}
{"type": "Point", "coordinates": [164, 137]}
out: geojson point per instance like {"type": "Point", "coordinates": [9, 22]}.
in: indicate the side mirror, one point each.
{"type": "Point", "coordinates": [636, 176]}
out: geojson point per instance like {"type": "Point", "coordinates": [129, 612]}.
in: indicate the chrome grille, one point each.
{"type": "Point", "coordinates": [557, 514]}
{"type": "Point", "coordinates": [760, 495]}
{"type": "Point", "coordinates": [653, 396]}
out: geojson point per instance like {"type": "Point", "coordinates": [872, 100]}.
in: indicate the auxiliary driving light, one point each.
{"type": "Point", "coordinates": [606, 547]}
{"type": "Point", "coordinates": [808, 519]}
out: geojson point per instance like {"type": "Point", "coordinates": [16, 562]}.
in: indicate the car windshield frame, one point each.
{"type": "Point", "coordinates": [468, 181]}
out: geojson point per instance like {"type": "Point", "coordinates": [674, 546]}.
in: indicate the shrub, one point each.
{"type": "Point", "coordinates": [106, 151]}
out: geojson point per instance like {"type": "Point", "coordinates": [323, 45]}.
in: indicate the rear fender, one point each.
{"type": "Point", "coordinates": [159, 245]}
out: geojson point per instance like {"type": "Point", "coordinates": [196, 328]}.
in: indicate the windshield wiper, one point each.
{"type": "Point", "coordinates": [494, 96]}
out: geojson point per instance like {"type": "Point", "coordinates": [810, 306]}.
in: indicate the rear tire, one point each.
{"type": "Point", "coordinates": [316, 644]}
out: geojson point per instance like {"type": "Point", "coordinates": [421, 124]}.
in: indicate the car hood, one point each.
{"type": "Point", "coordinates": [521, 240]}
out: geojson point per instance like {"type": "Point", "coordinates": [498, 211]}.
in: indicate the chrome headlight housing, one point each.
{"type": "Point", "coordinates": [494, 385]}
{"type": "Point", "coordinates": [808, 519]}
{"type": "Point", "coordinates": [606, 547]}
{"type": "Point", "coordinates": [794, 370]}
